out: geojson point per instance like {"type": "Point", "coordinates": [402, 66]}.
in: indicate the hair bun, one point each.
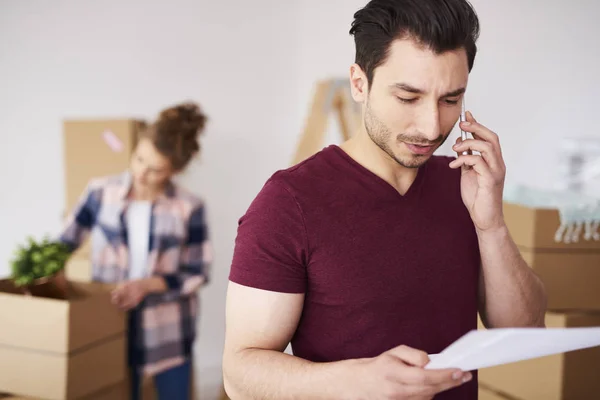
{"type": "Point", "coordinates": [186, 118]}
{"type": "Point", "coordinates": [175, 132]}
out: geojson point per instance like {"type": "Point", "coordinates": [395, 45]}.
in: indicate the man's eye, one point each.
{"type": "Point", "coordinates": [408, 101]}
{"type": "Point", "coordinates": [451, 102]}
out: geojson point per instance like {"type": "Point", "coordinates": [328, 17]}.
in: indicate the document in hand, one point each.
{"type": "Point", "coordinates": [487, 348]}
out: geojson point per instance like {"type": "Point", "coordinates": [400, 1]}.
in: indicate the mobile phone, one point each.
{"type": "Point", "coordinates": [463, 117]}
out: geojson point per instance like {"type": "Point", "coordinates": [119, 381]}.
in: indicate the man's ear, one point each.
{"type": "Point", "coordinates": [359, 84]}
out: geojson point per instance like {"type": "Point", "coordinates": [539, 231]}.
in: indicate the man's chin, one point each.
{"type": "Point", "coordinates": [412, 160]}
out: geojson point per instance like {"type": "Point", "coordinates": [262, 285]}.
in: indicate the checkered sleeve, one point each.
{"type": "Point", "coordinates": [82, 218]}
{"type": "Point", "coordinates": [196, 256]}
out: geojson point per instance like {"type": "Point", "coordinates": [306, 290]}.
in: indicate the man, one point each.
{"type": "Point", "coordinates": [370, 256]}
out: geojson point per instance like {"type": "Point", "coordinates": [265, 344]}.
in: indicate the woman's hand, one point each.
{"type": "Point", "coordinates": [129, 294]}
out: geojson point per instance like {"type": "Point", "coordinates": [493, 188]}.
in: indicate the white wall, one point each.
{"type": "Point", "coordinates": [252, 64]}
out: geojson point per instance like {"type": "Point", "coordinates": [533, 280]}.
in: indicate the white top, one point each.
{"type": "Point", "coordinates": [138, 231]}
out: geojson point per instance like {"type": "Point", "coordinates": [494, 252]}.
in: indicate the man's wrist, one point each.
{"type": "Point", "coordinates": [348, 371]}
{"type": "Point", "coordinates": [496, 232]}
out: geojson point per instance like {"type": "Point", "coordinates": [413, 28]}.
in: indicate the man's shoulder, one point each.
{"type": "Point", "coordinates": [307, 172]}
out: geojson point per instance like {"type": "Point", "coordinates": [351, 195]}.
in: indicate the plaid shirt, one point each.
{"type": "Point", "coordinates": [179, 251]}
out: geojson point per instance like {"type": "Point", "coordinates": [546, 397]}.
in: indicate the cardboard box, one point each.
{"type": "Point", "coordinates": [572, 280]}
{"type": "Point", "coordinates": [571, 375]}
{"type": "Point", "coordinates": [488, 394]}
{"type": "Point", "coordinates": [119, 391]}
{"type": "Point", "coordinates": [60, 349]}
{"type": "Point", "coordinates": [533, 229]}
{"type": "Point", "coordinates": [79, 269]}
{"type": "Point", "coordinates": [570, 271]}
{"type": "Point", "coordinates": [95, 148]}
{"type": "Point", "coordinates": [79, 266]}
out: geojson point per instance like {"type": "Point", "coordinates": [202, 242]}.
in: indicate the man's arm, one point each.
{"type": "Point", "coordinates": [511, 294]}
{"type": "Point", "coordinates": [265, 299]}
{"type": "Point", "coordinates": [260, 324]}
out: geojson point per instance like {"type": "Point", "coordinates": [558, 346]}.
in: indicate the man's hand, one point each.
{"type": "Point", "coordinates": [128, 295]}
{"type": "Point", "coordinates": [399, 374]}
{"type": "Point", "coordinates": [482, 181]}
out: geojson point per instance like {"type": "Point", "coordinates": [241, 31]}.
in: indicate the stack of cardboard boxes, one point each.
{"type": "Point", "coordinates": [571, 274]}
{"type": "Point", "coordinates": [76, 348]}
{"type": "Point", "coordinates": [60, 349]}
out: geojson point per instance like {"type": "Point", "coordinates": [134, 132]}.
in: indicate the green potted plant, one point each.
{"type": "Point", "coordinates": [37, 268]}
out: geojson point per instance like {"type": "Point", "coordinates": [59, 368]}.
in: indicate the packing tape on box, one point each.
{"type": "Point", "coordinates": [112, 141]}
{"type": "Point", "coordinates": [579, 214]}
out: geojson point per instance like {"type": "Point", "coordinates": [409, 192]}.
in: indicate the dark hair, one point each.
{"type": "Point", "coordinates": [440, 25]}
{"type": "Point", "coordinates": [175, 133]}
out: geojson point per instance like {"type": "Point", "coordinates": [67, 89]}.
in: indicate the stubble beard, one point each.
{"type": "Point", "coordinates": [380, 134]}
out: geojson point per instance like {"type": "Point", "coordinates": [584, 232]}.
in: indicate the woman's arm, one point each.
{"type": "Point", "coordinates": [195, 261]}
{"type": "Point", "coordinates": [82, 218]}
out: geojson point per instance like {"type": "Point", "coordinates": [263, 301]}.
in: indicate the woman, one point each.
{"type": "Point", "coordinates": [150, 236]}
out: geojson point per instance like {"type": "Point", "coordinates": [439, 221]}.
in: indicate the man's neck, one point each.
{"type": "Point", "coordinates": [362, 149]}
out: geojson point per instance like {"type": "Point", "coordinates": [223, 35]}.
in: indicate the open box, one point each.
{"type": "Point", "coordinates": [79, 265]}
{"type": "Point", "coordinates": [60, 349]}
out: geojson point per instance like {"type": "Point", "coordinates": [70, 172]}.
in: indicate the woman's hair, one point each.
{"type": "Point", "coordinates": [175, 133]}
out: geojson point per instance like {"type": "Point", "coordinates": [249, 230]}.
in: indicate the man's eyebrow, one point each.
{"type": "Point", "coordinates": [407, 88]}
{"type": "Point", "coordinates": [411, 89]}
{"type": "Point", "coordinates": [455, 93]}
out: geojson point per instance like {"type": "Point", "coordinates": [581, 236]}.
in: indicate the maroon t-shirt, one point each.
{"type": "Point", "coordinates": [378, 269]}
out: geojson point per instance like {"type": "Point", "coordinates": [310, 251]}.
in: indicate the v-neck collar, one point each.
{"type": "Point", "coordinates": [412, 190]}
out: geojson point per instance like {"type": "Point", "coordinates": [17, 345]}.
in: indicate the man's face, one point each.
{"type": "Point", "coordinates": [414, 101]}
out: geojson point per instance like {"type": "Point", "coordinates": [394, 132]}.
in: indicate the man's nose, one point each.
{"type": "Point", "coordinates": [429, 122]}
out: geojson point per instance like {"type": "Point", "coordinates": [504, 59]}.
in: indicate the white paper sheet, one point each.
{"type": "Point", "coordinates": [486, 348]}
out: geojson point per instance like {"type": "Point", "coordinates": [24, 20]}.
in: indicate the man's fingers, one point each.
{"type": "Point", "coordinates": [485, 148]}
{"type": "Point", "coordinates": [423, 377]}
{"type": "Point", "coordinates": [476, 162]}
{"type": "Point", "coordinates": [410, 356]}
{"type": "Point", "coordinates": [442, 387]}
{"type": "Point", "coordinates": [432, 382]}
{"type": "Point", "coordinates": [476, 129]}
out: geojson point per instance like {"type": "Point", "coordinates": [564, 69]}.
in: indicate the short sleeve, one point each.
{"type": "Point", "coordinates": [271, 245]}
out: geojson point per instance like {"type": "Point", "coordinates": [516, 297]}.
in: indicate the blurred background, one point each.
{"type": "Point", "coordinates": [253, 65]}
